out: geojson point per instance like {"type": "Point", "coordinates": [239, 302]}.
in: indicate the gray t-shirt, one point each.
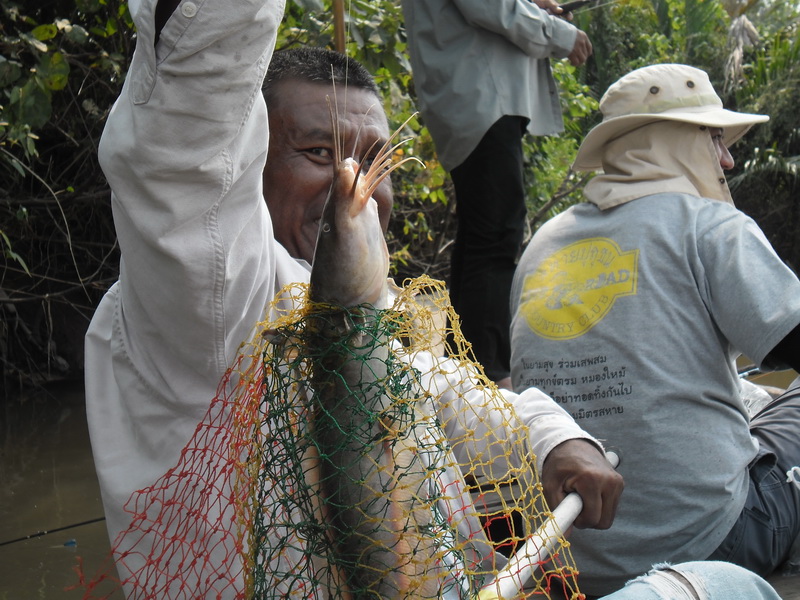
{"type": "Point", "coordinates": [631, 319]}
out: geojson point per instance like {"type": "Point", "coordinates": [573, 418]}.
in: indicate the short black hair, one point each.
{"type": "Point", "coordinates": [316, 65]}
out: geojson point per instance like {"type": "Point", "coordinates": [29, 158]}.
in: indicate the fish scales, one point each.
{"type": "Point", "coordinates": [369, 476]}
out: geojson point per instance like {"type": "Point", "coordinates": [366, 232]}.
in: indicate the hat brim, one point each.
{"type": "Point", "coordinates": [734, 124]}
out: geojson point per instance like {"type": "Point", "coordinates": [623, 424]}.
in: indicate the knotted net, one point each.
{"type": "Point", "coordinates": [344, 466]}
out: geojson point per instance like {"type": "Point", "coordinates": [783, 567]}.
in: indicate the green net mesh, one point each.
{"type": "Point", "coordinates": [340, 460]}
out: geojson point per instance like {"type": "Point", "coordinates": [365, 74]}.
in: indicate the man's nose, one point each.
{"type": "Point", "coordinates": [725, 157]}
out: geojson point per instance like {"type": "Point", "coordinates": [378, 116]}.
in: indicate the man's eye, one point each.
{"type": "Point", "coordinates": [320, 152]}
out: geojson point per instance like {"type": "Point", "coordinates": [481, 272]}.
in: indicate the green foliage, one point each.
{"type": "Point", "coordinates": [775, 16]}
{"type": "Point", "coordinates": [772, 149]}
{"type": "Point", "coordinates": [552, 185]}
{"type": "Point", "coordinates": [9, 252]}
{"type": "Point", "coordinates": [44, 59]}
{"type": "Point", "coordinates": [61, 66]}
{"type": "Point", "coordinates": [634, 33]}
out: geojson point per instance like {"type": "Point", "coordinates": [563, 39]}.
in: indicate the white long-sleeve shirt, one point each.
{"type": "Point", "coordinates": [183, 150]}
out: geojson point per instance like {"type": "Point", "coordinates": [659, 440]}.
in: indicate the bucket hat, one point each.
{"type": "Point", "coordinates": [667, 92]}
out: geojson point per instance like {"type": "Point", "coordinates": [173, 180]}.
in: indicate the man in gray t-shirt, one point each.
{"type": "Point", "coordinates": [630, 311]}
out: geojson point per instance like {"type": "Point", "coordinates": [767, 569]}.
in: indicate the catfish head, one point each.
{"type": "Point", "coordinates": [351, 260]}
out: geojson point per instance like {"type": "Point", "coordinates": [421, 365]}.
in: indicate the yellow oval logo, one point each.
{"type": "Point", "coordinates": [575, 287]}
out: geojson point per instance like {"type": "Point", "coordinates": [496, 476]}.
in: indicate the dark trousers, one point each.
{"type": "Point", "coordinates": [490, 206]}
{"type": "Point", "coordinates": [770, 520]}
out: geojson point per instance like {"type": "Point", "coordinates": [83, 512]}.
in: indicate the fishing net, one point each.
{"type": "Point", "coordinates": [300, 483]}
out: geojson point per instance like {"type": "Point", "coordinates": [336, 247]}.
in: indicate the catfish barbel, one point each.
{"type": "Point", "coordinates": [370, 479]}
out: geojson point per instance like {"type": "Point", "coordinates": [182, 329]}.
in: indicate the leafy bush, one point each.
{"type": "Point", "coordinates": [770, 153]}
{"type": "Point", "coordinates": [61, 67]}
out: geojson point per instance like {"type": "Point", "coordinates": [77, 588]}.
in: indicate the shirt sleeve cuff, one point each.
{"type": "Point", "coordinates": [549, 425]}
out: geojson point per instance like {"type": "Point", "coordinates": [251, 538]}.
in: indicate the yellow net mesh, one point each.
{"type": "Point", "coordinates": [342, 447]}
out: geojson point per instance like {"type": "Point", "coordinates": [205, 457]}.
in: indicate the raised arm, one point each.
{"type": "Point", "coordinates": [183, 151]}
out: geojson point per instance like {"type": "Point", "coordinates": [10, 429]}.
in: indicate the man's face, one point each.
{"type": "Point", "coordinates": [300, 159]}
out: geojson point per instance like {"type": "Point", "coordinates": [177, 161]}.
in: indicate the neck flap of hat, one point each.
{"type": "Point", "coordinates": [655, 158]}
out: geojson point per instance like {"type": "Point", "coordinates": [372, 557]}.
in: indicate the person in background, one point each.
{"type": "Point", "coordinates": [482, 77]}
{"type": "Point", "coordinates": [185, 154]}
{"type": "Point", "coordinates": [630, 310]}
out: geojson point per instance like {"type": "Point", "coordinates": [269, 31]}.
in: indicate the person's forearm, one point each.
{"type": "Point", "coordinates": [535, 31]}
{"type": "Point", "coordinates": [550, 425]}
{"type": "Point", "coordinates": [477, 420]}
{"type": "Point", "coordinates": [183, 151]}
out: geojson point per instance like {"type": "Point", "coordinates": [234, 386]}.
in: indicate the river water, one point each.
{"type": "Point", "coordinates": [48, 485]}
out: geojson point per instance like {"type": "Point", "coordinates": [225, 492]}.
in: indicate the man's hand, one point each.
{"type": "Point", "coordinates": [550, 6]}
{"type": "Point", "coordinates": [578, 466]}
{"type": "Point", "coordinates": [581, 51]}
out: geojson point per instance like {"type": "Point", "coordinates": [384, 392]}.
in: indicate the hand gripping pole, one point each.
{"type": "Point", "coordinates": [510, 581]}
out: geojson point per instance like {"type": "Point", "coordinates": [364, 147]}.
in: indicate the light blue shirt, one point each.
{"type": "Point", "coordinates": [475, 61]}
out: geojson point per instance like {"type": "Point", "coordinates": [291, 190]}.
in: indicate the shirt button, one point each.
{"type": "Point", "coordinates": [188, 9]}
